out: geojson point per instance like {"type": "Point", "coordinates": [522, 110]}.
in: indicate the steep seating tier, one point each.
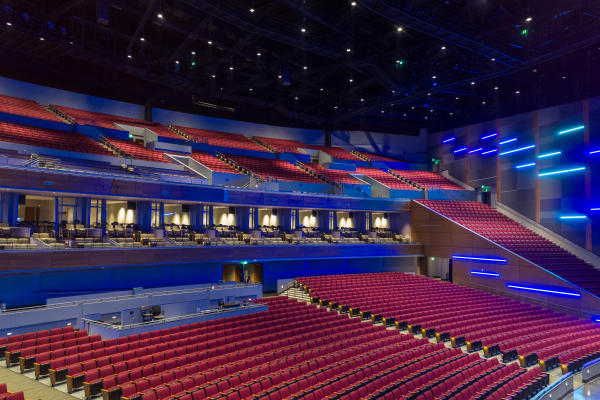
{"type": "Point", "coordinates": [41, 137]}
{"type": "Point", "coordinates": [509, 234]}
{"type": "Point", "coordinates": [282, 145]}
{"type": "Point", "coordinates": [274, 169]}
{"type": "Point", "coordinates": [26, 108]}
{"type": "Point", "coordinates": [463, 316]}
{"type": "Point", "coordinates": [375, 157]}
{"type": "Point", "coordinates": [335, 152]}
{"type": "Point", "coordinates": [221, 139]}
{"type": "Point", "coordinates": [428, 180]}
{"type": "Point", "coordinates": [383, 177]}
{"type": "Point", "coordinates": [213, 163]}
{"type": "Point", "coordinates": [138, 151]}
{"type": "Point", "coordinates": [332, 175]}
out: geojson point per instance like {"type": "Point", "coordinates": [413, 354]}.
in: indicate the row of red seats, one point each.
{"type": "Point", "coordinates": [376, 157]}
{"type": "Point", "coordinates": [138, 151]}
{"type": "Point", "coordinates": [509, 234]}
{"type": "Point", "coordinates": [335, 176]}
{"type": "Point", "coordinates": [42, 137]}
{"type": "Point", "coordinates": [85, 117]}
{"type": "Point", "coordinates": [282, 145]}
{"type": "Point", "coordinates": [459, 314]}
{"type": "Point", "coordinates": [221, 139]}
{"type": "Point", "coordinates": [383, 177]}
{"type": "Point", "coordinates": [428, 180]}
{"type": "Point", "coordinates": [26, 108]}
{"type": "Point", "coordinates": [274, 169]}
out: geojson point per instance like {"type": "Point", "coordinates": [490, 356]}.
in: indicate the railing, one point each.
{"type": "Point", "coordinates": [557, 390]}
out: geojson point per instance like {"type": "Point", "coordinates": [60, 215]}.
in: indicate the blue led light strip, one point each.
{"type": "Point", "coordinates": [542, 290]}
{"type": "Point", "coordinates": [594, 152]}
{"type": "Point", "coordinates": [507, 141]}
{"type": "Point", "coordinates": [472, 258]}
{"type": "Point", "coordinates": [448, 140]}
{"type": "Point", "coordinates": [555, 153]}
{"type": "Point", "coordinates": [475, 150]}
{"type": "Point", "coordinates": [595, 209]}
{"type": "Point", "coordinates": [525, 165]}
{"type": "Point", "coordinates": [596, 319]}
{"type": "Point", "coordinates": [573, 217]}
{"type": "Point", "coordinates": [489, 151]}
{"type": "Point", "coordinates": [460, 150]}
{"type": "Point", "coordinates": [577, 128]}
{"type": "Point", "coordinates": [531, 146]}
{"type": "Point", "coordinates": [491, 135]}
{"type": "Point", "coordinates": [562, 171]}
{"type": "Point", "coordinates": [486, 273]}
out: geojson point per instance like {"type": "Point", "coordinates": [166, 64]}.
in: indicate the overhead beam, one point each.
{"type": "Point", "coordinates": [141, 24]}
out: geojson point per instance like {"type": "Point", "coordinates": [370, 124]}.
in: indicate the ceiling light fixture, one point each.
{"type": "Point", "coordinates": [443, 47]}
{"type": "Point", "coordinates": [209, 42]}
{"type": "Point", "coordinates": [252, 10]}
{"type": "Point", "coordinates": [303, 29]}
{"type": "Point", "coordinates": [399, 29]}
{"type": "Point", "coordinates": [142, 39]}
{"type": "Point", "coordinates": [160, 16]}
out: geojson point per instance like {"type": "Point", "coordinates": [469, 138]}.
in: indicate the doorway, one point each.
{"type": "Point", "coordinates": [232, 273]}
{"type": "Point", "coordinates": [254, 273]}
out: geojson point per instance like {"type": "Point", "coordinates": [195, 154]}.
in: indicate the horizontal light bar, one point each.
{"type": "Point", "coordinates": [508, 141]}
{"type": "Point", "coordinates": [472, 258]}
{"type": "Point", "coordinates": [577, 128]}
{"type": "Point", "coordinates": [595, 209]}
{"type": "Point", "coordinates": [460, 150]}
{"type": "Point", "coordinates": [489, 151]}
{"type": "Point", "coordinates": [448, 140]}
{"type": "Point", "coordinates": [531, 146]}
{"type": "Point", "coordinates": [573, 216]}
{"type": "Point", "coordinates": [594, 151]}
{"type": "Point", "coordinates": [596, 319]}
{"type": "Point", "coordinates": [542, 290]}
{"type": "Point", "coordinates": [554, 153]}
{"type": "Point", "coordinates": [486, 273]}
{"type": "Point", "coordinates": [562, 171]}
{"type": "Point", "coordinates": [476, 150]}
{"type": "Point", "coordinates": [525, 165]}
{"type": "Point", "coordinates": [491, 135]}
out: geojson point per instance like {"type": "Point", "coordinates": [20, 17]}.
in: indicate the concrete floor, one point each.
{"type": "Point", "coordinates": [32, 389]}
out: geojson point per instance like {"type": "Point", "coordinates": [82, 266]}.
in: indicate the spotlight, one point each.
{"type": "Point", "coordinates": [443, 47]}
{"type": "Point", "coordinates": [142, 39]}
{"type": "Point", "coordinates": [305, 68]}
{"type": "Point", "coordinates": [214, 76]}
{"type": "Point", "coordinates": [193, 53]}
{"type": "Point", "coordinates": [258, 54]}
{"type": "Point", "coordinates": [160, 16]}
{"type": "Point", "coordinates": [303, 29]}
{"type": "Point", "coordinates": [42, 39]}
{"type": "Point", "coordinates": [472, 83]}
{"type": "Point", "coordinates": [250, 89]}
{"type": "Point", "coordinates": [176, 61]}
{"type": "Point", "coordinates": [296, 98]}
{"type": "Point", "coordinates": [252, 10]}
{"type": "Point", "coordinates": [320, 89]}
{"type": "Point", "coordinates": [8, 24]}
{"type": "Point", "coordinates": [209, 42]}
{"type": "Point", "coordinates": [353, 4]}
{"type": "Point", "coordinates": [362, 100]}
{"type": "Point", "coordinates": [496, 88]}
{"type": "Point", "coordinates": [279, 76]}
{"type": "Point", "coordinates": [383, 111]}
{"type": "Point", "coordinates": [517, 92]}
{"type": "Point", "coordinates": [399, 29]}
{"type": "Point", "coordinates": [350, 80]}
{"type": "Point", "coordinates": [129, 56]}
{"type": "Point", "coordinates": [348, 50]}
{"type": "Point", "coordinates": [483, 102]}
{"type": "Point", "coordinates": [528, 19]}
{"type": "Point", "coordinates": [493, 59]}
{"type": "Point", "coordinates": [231, 68]}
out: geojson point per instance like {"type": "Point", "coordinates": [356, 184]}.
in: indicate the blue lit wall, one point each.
{"type": "Point", "coordinates": [520, 176]}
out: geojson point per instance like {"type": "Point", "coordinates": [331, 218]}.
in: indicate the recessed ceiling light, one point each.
{"type": "Point", "coordinates": [303, 29]}
{"type": "Point", "coordinates": [129, 56]}
{"type": "Point", "coordinates": [496, 88]}
{"type": "Point", "coordinates": [214, 76]}
{"type": "Point", "coordinates": [305, 67]}
{"type": "Point", "coordinates": [353, 4]}
{"type": "Point", "coordinates": [472, 83]}
{"type": "Point", "coordinates": [142, 39]}
{"type": "Point", "coordinates": [258, 54]}
{"type": "Point", "coordinates": [42, 39]}
{"type": "Point", "coordinates": [348, 50]}
{"type": "Point", "coordinates": [252, 10]}
{"type": "Point", "coordinates": [362, 99]}
{"type": "Point", "coordinates": [231, 68]}
{"type": "Point", "coordinates": [517, 92]}
{"type": "Point", "coordinates": [483, 102]}
{"type": "Point", "coordinates": [9, 24]}
{"type": "Point", "coordinates": [296, 98]}
{"type": "Point", "coordinates": [193, 53]}
{"type": "Point", "coordinates": [528, 19]}
{"type": "Point", "coordinates": [399, 29]}
{"type": "Point", "coordinates": [160, 16]}
{"type": "Point", "coordinates": [443, 47]}
{"type": "Point", "coordinates": [209, 42]}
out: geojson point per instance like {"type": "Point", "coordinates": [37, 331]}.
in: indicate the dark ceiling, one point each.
{"type": "Point", "coordinates": [391, 66]}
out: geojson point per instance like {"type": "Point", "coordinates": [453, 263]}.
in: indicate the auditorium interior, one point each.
{"type": "Point", "coordinates": [298, 199]}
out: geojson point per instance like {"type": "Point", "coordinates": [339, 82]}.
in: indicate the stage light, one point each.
{"type": "Point", "coordinates": [448, 140]}
{"type": "Point", "coordinates": [399, 62]}
{"type": "Point", "coordinates": [577, 128]}
{"type": "Point", "coordinates": [231, 68]}
{"type": "Point", "coordinates": [491, 135]}
{"type": "Point", "coordinates": [483, 102]}
{"type": "Point", "coordinates": [8, 24]}
{"type": "Point", "coordinates": [484, 259]}
{"type": "Point", "coordinates": [353, 4]}
{"type": "Point", "coordinates": [296, 98]}
{"type": "Point", "coordinates": [517, 92]}
{"type": "Point", "coordinates": [517, 150]}
{"type": "Point", "coordinates": [496, 88]}
{"type": "Point", "coordinates": [129, 56]}
{"type": "Point", "coordinates": [554, 153]}
{"type": "Point", "coordinates": [543, 290]}
{"type": "Point", "coordinates": [42, 39]}
{"type": "Point", "coordinates": [563, 171]}
{"type": "Point", "coordinates": [486, 273]}
{"type": "Point", "coordinates": [595, 209]}
{"type": "Point", "coordinates": [193, 53]}
{"type": "Point", "coordinates": [214, 76]}
{"type": "Point", "coordinates": [362, 100]}
{"type": "Point", "coordinates": [525, 165]}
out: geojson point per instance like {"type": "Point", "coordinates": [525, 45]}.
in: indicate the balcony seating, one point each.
{"type": "Point", "coordinates": [26, 108]}
{"type": "Point", "coordinates": [160, 130]}
{"type": "Point", "coordinates": [335, 152]}
{"type": "Point", "coordinates": [375, 157]}
{"type": "Point", "coordinates": [138, 151]}
{"type": "Point", "coordinates": [274, 169]}
{"type": "Point", "coordinates": [428, 180]}
{"type": "Point", "coordinates": [282, 145]}
{"type": "Point", "coordinates": [221, 139]}
{"type": "Point", "coordinates": [32, 136]}
{"type": "Point", "coordinates": [509, 234]}
{"type": "Point", "coordinates": [84, 117]}
{"type": "Point", "coordinates": [463, 316]}
{"type": "Point", "coordinates": [332, 175]}
{"type": "Point", "coordinates": [213, 163]}
{"type": "Point", "coordinates": [385, 178]}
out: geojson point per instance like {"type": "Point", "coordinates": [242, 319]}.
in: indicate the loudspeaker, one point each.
{"type": "Point", "coordinates": [185, 208]}
{"type": "Point", "coordinates": [131, 205]}
{"type": "Point", "coordinates": [22, 199]}
{"type": "Point", "coordinates": [231, 210]}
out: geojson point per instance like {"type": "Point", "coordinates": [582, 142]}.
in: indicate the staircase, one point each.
{"type": "Point", "coordinates": [313, 173]}
{"type": "Point", "coordinates": [403, 179]}
{"type": "Point", "coordinates": [256, 179]}
{"type": "Point", "coordinates": [61, 114]}
{"type": "Point", "coordinates": [37, 161]}
{"type": "Point", "coordinates": [361, 156]}
{"type": "Point", "coordinates": [296, 293]}
{"type": "Point", "coordinates": [266, 146]}
{"type": "Point", "coordinates": [114, 149]}
{"type": "Point", "coordinates": [180, 133]}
